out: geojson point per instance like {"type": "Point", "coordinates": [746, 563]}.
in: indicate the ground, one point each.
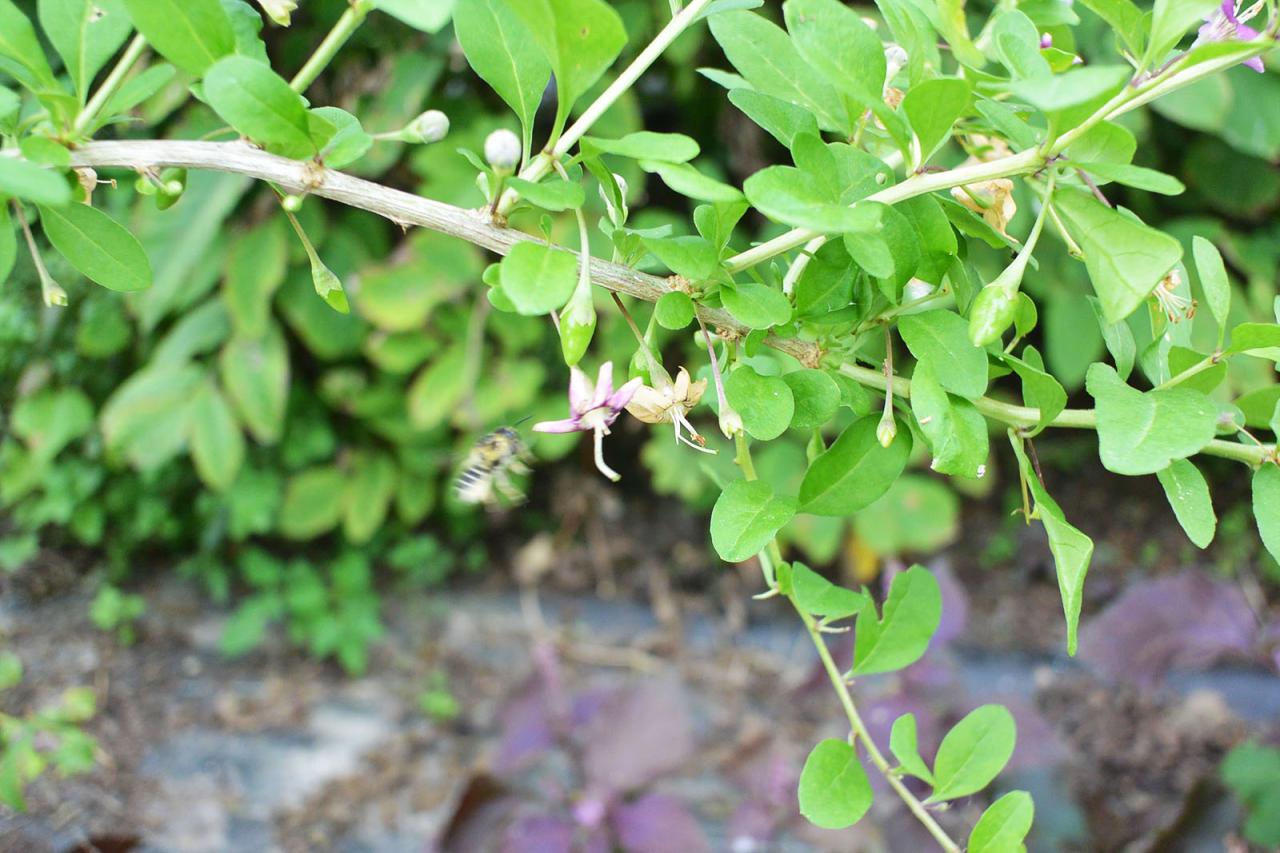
{"type": "Point", "coordinates": [602, 691]}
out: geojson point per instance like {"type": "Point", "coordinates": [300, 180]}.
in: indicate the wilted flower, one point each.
{"type": "Point", "coordinates": [1175, 306]}
{"type": "Point", "coordinates": [992, 200]}
{"type": "Point", "coordinates": [1228, 22]}
{"type": "Point", "coordinates": [278, 10]}
{"type": "Point", "coordinates": [670, 402]}
{"type": "Point", "coordinates": [894, 59]}
{"type": "Point", "coordinates": [593, 409]}
{"type": "Point", "coordinates": [502, 149]}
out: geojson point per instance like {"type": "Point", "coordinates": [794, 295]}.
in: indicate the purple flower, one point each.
{"type": "Point", "coordinates": [1046, 41]}
{"type": "Point", "coordinates": [593, 409]}
{"type": "Point", "coordinates": [1228, 22]}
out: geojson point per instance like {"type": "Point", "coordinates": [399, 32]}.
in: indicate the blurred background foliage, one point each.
{"type": "Point", "coordinates": [287, 455]}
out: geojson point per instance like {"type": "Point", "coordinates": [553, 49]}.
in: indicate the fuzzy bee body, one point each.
{"type": "Point", "coordinates": [488, 468]}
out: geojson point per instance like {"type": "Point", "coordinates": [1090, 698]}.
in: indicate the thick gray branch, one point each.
{"type": "Point", "coordinates": [404, 208]}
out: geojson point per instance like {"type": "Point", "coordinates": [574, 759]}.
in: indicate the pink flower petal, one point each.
{"type": "Point", "coordinates": [619, 399]}
{"type": "Point", "coordinates": [604, 385]}
{"type": "Point", "coordinates": [1247, 33]}
{"type": "Point", "coordinates": [580, 391]}
{"type": "Point", "coordinates": [566, 425]}
{"type": "Point", "coordinates": [1256, 63]}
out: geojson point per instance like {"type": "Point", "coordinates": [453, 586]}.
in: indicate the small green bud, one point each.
{"type": "Point", "coordinates": [431, 126]}
{"type": "Point", "coordinates": [577, 327]}
{"type": "Point", "coordinates": [279, 10]}
{"type": "Point", "coordinates": [292, 203]}
{"type": "Point", "coordinates": [992, 313]}
{"type": "Point", "coordinates": [143, 186]}
{"type": "Point", "coordinates": [174, 183]}
{"type": "Point", "coordinates": [502, 150]}
{"type": "Point", "coordinates": [887, 429]}
{"type": "Point", "coordinates": [730, 421]}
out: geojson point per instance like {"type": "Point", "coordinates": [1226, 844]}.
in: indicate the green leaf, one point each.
{"type": "Point", "coordinates": [313, 502]}
{"type": "Point", "coordinates": [259, 104]}
{"type": "Point", "coordinates": [1266, 506]}
{"type": "Point", "coordinates": [932, 107]}
{"type": "Point", "coordinates": [18, 42]}
{"type": "Point", "coordinates": [1170, 20]}
{"type": "Point", "coordinates": [953, 27]}
{"type": "Point", "coordinates": [86, 33]}
{"type": "Point", "coordinates": [1135, 176]}
{"type": "Point", "coordinates": [690, 257]}
{"type": "Point", "coordinates": [955, 430]}
{"type": "Point", "coordinates": [903, 745]}
{"type": "Point", "coordinates": [673, 310]}
{"type": "Point", "coordinates": [688, 181]}
{"type": "Point", "coordinates": [437, 389]}
{"type": "Point", "coordinates": [1004, 825]}
{"type": "Point", "coordinates": [768, 59]}
{"type": "Point", "coordinates": [745, 518]}
{"type": "Point", "coordinates": [1118, 338]}
{"type": "Point", "coordinates": [579, 38]}
{"type": "Point", "coordinates": [918, 514]}
{"type": "Point", "coordinates": [941, 338]}
{"type": "Point", "coordinates": [901, 635]}
{"type": "Point", "coordinates": [1105, 142]}
{"type": "Point", "coordinates": [256, 264]}
{"type": "Point", "coordinates": [1125, 259]}
{"type": "Point", "coordinates": [839, 44]}
{"type": "Point", "coordinates": [8, 244]}
{"type": "Point", "coordinates": [96, 245]}
{"type": "Point", "coordinates": [782, 120]}
{"type": "Point", "coordinates": [1016, 40]}
{"type": "Point", "coordinates": [33, 183]}
{"type": "Point", "coordinates": [815, 594]}
{"type": "Point", "coordinates": [1141, 433]}
{"type": "Point", "coordinates": [10, 670]}
{"type": "Point", "coordinates": [348, 142]}
{"type": "Point", "coordinates": [854, 471]}
{"type": "Point", "coordinates": [50, 419]}
{"type": "Point", "coordinates": [799, 198]}
{"type": "Point", "coordinates": [430, 17]}
{"type": "Point", "coordinates": [255, 375]}
{"type": "Point", "coordinates": [765, 402]}
{"type": "Point", "coordinates": [1124, 17]}
{"type": "Point", "coordinates": [217, 445]}
{"type": "Point", "coordinates": [1039, 389]}
{"type": "Point", "coordinates": [973, 753]}
{"type": "Point", "coordinates": [816, 395]}
{"type": "Point", "coordinates": [1071, 549]}
{"type": "Point", "coordinates": [148, 417]}
{"type": "Point", "coordinates": [1213, 281]}
{"type": "Point", "coordinates": [1260, 339]}
{"type": "Point", "coordinates": [199, 331]}
{"type": "Point", "coordinates": [646, 145]}
{"type": "Point", "coordinates": [834, 789]}
{"type": "Point", "coordinates": [192, 34]}
{"type": "Point", "coordinates": [756, 305]}
{"type": "Point", "coordinates": [554, 194]}
{"type": "Point", "coordinates": [1188, 494]}
{"type": "Point", "coordinates": [538, 278]}
{"type": "Point", "coordinates": [369, 489]}
{"type": "Point", "coordinates": [1079, 86]}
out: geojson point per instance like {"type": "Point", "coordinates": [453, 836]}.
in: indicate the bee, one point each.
{"type": "Point", "coordinates": [489, 466]}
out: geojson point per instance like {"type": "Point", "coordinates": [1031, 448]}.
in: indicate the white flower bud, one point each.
{"type": "Point", "coordinates": [431, 126]}
{"type": "Point", "coordinates": [502, 149]}
{"type": "Point", "coordinates": [278, 10]}
{"type": "Point", "coordinates": [894, 58]}
{"type": "Point", "coordinates": [886, 430]}
{"type": "Point", "coordinates": [730, 421]}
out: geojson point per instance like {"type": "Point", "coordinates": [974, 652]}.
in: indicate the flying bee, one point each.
{"type": "Point", "coordinates": [489, 466]}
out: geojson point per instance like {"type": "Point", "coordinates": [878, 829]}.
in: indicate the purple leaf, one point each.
{"type": "Point", "coordinates": [657, 823]}
{"type": "Point", "coordinates": [752, 826]}
{"type": "Point", "coordinates": [644, 732]}
{"type": "Point", "coordinates": [1185, 621]}
{"type": "Point", "coordinates": [539, 834]}
{"type": "Point", "coordinates": [527, 729]}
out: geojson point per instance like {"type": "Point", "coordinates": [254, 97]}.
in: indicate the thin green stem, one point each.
{"type": "Point", "coordinates": [540, 165]}
{"type": "Point", "coordinates": [1199, 367]}
{"type": "Point", "coordinates": [860, 732]}
{"type": "Point", "coordinates": [110, 86]}
{"type": "Point", "coordinates": [1025, 416]}
{"type": "Point", "coordinates": [333, 42]}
